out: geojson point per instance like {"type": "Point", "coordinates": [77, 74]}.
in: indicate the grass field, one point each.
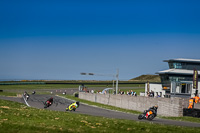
{"type": "Point", "coordinates": [8, 94]}
{"type": "Point", "coordinates": [37, 86]}
{"type": "Point", "coordinates": [124, 87]}
{"type": "Point", "coordinates": [62, 86]}
{"type": "Point", "coordinates": [16, 117]}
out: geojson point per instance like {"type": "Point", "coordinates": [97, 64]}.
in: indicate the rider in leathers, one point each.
{"type": "Point", "coordinates": [76, 104]}
{"type": "Point", "coordinates": [50, 100]}
{"type": "Point", "coordinates": [153, 109]}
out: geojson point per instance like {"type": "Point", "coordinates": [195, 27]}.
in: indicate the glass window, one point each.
{"type": "Point", "coordinates": [177, 65]}
{"type": "Point", "coordinates": [171, 66]}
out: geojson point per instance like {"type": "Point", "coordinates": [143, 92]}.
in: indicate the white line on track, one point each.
{"type": "Point", "coordinates": [25, 101]}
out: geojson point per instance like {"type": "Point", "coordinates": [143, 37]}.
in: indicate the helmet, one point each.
{"type": "Point", "coordinates": [77, 103]}
{"type": "Point", "coordinates": [156, 106]}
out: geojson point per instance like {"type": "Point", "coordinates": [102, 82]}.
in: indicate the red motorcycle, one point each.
{"type": "Point", "coordinates": [47, 104]}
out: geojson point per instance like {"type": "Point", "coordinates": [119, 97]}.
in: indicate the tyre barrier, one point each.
{"type": "Point", "coordinates": [76, 95]}
{"type": "Point", "coordinates": [191, 112]}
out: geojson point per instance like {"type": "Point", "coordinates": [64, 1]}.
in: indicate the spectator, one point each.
{"type": "Point", "coordinates": [148, 94]}
{"type": "Point", "coordinates": [152, 93]}
{"type": "Point", "coordinates": [119, 91]}
{"type": "Point", "coordinates": [135, 94]}
{"type": "Point", "coordinates": [129, 92]}
{"type": "Point", "coordinates": [132, 93]}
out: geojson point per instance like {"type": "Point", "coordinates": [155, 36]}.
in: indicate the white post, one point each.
{"type": "Point", "coordinates": [117, 78]}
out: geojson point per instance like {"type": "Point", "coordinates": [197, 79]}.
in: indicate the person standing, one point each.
{"type": "Point", "coordinates": [191, 103]}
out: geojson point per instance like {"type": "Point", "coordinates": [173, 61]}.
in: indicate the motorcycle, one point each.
{"type": "Point", "coordinates": [26, 96]}
{"type": "Point", "coordinates": [33, 93]}
{"type": "Point", "coordinates": [47, 104]}
{"type": "Point", "coordinates": [72, 106]}
{"type": "Point", "coordinates": [151, 115]}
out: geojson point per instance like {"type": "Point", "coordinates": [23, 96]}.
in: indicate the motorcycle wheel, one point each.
{"type": "Point", "coordinates": [46, 105]}
{"type": "Point", "coordinates": [72, 108]}
{"type": "Point", "coordinates": [141, 116]}
{"type": "Point", "coordinates": [151, 117]}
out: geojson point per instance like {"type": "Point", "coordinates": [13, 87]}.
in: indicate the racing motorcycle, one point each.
{"type": "Point", "coordinates": [72, 106]}
{"type": "Point", "coordinates": [151, 115]}
{"type": "Point", "coordinates": [26, 96]}
{"type": "Point", "coordinates": [47, 104]}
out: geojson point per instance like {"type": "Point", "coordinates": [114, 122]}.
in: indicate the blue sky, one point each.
{"type": "Point", "coordinates": [60, 39]}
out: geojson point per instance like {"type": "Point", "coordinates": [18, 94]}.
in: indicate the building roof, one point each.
{"type": "Point", "coordinates": [177, 71]}
{"type": "Point", "coordinates": [183, 60]}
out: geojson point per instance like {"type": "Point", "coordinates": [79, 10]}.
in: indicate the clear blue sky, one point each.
{"type": "Point", "coordinates": [60, 39]}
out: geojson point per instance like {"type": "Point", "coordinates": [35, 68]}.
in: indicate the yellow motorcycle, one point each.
{"type": "Point", "coordinates": [72, 106]}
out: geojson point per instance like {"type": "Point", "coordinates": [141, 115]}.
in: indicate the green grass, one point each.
{"type": "Point", "coordinates": [69, 86]}
{"type": "Point", "coordinates": [38, 86]}
{"type": "Point", "coordinates": [184, 118]}
{"type": "Point", "coordinates": [60, 86]}
{"type": "Point", "coordinates": [7, 94]}
{"type": "Point", "coordinates": [16, 117]}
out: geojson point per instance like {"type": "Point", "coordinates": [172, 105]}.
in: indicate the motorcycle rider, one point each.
{"type": "Point", "coordinates": [76, 104]}
{"type": "Point", "coordinates": [50, 101]}
{"type": "Point", "coordinates": [153, 109]}
{"type": "Point", "coordinates": [26, 95]}
{"type": "Point", "coordinates": [33, 92]}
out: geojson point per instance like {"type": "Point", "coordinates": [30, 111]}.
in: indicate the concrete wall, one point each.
{"type": "Point", "coordinates": [166, 106]}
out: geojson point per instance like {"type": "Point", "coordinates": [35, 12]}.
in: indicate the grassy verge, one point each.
{"type": "Point", "coordinates": [38, 86]}
{"type": "Point", "coordinates": [16, 117]}
{"type": "Point", "coordinates": [184, 118]}
{"type": "Point", "coordinates": [7, 94]}
{"type": "Point", "coordinates": [61, 86]}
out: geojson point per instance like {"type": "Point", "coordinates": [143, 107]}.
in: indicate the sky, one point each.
{"type": "Point", "coordinates": [58, 40]}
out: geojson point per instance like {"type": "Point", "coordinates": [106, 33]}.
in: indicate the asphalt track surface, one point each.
{"type": "Point", "coordinates": [60, 104]}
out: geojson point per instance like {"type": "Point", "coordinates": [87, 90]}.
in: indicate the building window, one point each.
{"type": "Point", "coordinates": [171, 66]}
{"type": "Point", "coordinates": [177, 65]}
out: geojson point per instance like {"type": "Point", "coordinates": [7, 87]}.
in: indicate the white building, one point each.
{"type": "Point", "coordinates": [177, 81]}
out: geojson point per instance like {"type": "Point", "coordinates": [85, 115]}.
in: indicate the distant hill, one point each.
{"type": "Point", "coordinates": [150, 78]}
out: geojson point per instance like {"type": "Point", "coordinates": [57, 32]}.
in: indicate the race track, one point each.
{"type": "Point", "coordinates": [60, 104]}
